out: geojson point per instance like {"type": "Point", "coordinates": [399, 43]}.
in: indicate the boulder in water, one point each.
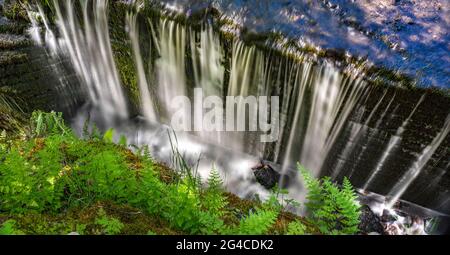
{"type": "Point", "coordinates": [369, 221]}
{"type": "Point", "coordinates": [266, 175]}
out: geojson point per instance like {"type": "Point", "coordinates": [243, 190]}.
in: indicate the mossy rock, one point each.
{"type": "Point", "coordinates": [14, 10]}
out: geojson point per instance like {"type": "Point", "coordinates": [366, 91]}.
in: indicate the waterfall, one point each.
{"type": "Point", "coordinates": [147, 107]}
{"type": "Point", "coordinates": [318, 102]}
{"type": "Point", "coordinates": [325, 122]}
{"type": "Point", "coordinates": [377, 125]}
{"type": "Point", "coordinates": [89, 49]}
{"type": "Point", "coordinates": [416, 168]}
{"type": "Point", "coordinates": [393, 143]}
{"type": "Point", "coordinates": [207, 59]}
{"type": "Point", "coordinates": [246, 69]}
{"type": "Point", "coordinates": [356, 136]}
{"type": "Point", "coordinates": [208, 70]}
{"type": "Point", "coordinates": [170, 66]}
{"type": "Point", "coordinates": [293, 136]}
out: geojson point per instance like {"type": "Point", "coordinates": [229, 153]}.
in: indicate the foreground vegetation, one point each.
{"type": "Point", "coordinates": [53, 182]}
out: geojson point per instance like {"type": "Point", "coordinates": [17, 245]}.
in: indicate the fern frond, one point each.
{"type": "Point", "coordinates": [257, 223]}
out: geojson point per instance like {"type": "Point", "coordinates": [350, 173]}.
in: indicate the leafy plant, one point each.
{"type": "Point", "coordinates": [278, 200]}
{"type": "Point", "coordinates": [109, 225]}
{"type": "Point", "coordinates": [257, 223]}
{"type": "Point", "coordinates": [52, 171]}
{"type": "Point", "coordinates": [109, 136]}
{"type": "Point", "coordinates": [296, 228]}
{"type": "Point", "coordinates": [43, 123]}
{"type": "Point", "coordinates": [10, 100]}
{"type": "Point", "coordinates": [214, 200]}
{"type": "Point", "coordinates": [151, 233]}
{"type": "Point", "coordinates": [333, 210]}
{"type": "Point", "coordinates": [9, 228]}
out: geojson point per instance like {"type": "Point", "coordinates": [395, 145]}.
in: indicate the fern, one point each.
{"type": "Point", "coordinates": [109, 225]}
{"type": "Point", "coordinates": [9, 228]}
{"type": "Point", "coordinates": [43, 123]}
{"type": "Point", "coordinates": [313, 186]}
{"type": "Point", "coordinates": [296, 228]}
{"type": "Point", "coordinates": [349, 208]}
{"type": "Point", "coordinates": [332, 210]}
{"type": "Point", "coordinates": [123, 141]}
{"type": "Point", "coordinates": [214, 201]}
{"type": "Point", "coordinates": [257, 223]}
{"type": "Point", "coordinates": [108, 137]}
{"type": "Point", "coordinates": [215, 183]}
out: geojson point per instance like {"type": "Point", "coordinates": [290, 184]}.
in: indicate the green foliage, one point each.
{"type": "Point", "coordinates": [9, 228]}
{"type": "Point", "coordinates": [80, 228]}
{"type": "Point", "coordinates": [10, 100]}
{"type": "Point", "coordinates": [109, 225]}
{"type": "Point", "coordinates": [123, 141]}
{"type": "Point", "coordinates": [257, 223]}
{"type": "Point", "coordinates": [278, 201]}
{"type": "Point", "coordinates": [296, 228]}
{"type": "Point", "coordinates": [52, 171]}
{"type": "Point", "coordinates": [214, 200]}
{"type": "Point", "coordinates": [151, 233]}
{"type": "Point", "coordinates": [28, 175]}
{"type": "Point", "coordinates": [109, 136]}
{"type": "Point", "coordinates": [333, 210]}
{"type": "Point", "coordinates": [43, 123]}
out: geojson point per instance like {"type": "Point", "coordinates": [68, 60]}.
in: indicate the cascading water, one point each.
{"type": "Point", "coordinates": [356, 139]}
{"type": "Point", "coordinates": [393, 143]}
{"type": "Point", "coordinates": [89, 49]}
{"type": "Point", "coordinates": [170, 67]}
{"type": "Point", "coordinates": [317, 107]}
{"type": "Point", "coordinates": [325, 121]}
{"type": "Point", "coordinates": [414, 171]}
{"type": "Point", "coordinates": [147, 106]}
{"type": "Point", "coordinates": [207, 59]}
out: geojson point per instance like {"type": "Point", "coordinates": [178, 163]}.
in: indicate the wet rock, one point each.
{"type": "Point", "coordinates": [387, 216]}
{"type": "Point", "coordinates": [370, 222]}
{"type": "Point", "coordinates": [417, 226]}
{"type": "Point", "coordinates": [394, 229]}
{"type": "Point", "coordinates": [265, 175]}
{"type": "Point", "coordinates": [8, 41]}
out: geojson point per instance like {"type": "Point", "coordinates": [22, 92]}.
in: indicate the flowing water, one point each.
{"type": "Point", "coordinates": [317, 107]}
{"type": "Point", "coordinates": [88, 45]}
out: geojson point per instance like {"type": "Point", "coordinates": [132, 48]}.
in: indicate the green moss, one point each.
{"type": "Point", "coordinates": [384, 75]}
{"type": "Point", "coordinates": [86, 221]}
{"type": "Point", "coordinates": [13, 9]}
{"type": "Point", "coordinates": [12, 42]}
{"type": "Point", "coordinates": [12, 58]}
{"type": "Point", "coordinates": [122, 52]}
{"type": "Point", "coordinates": [14, 28]}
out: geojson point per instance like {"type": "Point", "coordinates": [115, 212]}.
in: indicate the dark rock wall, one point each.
{"type": "Point", "coordinates": [431, 187]}
{"type": "Point", "coordinates": [30, 75]}
{"type": "Point", "coordinates": [41, 82]}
